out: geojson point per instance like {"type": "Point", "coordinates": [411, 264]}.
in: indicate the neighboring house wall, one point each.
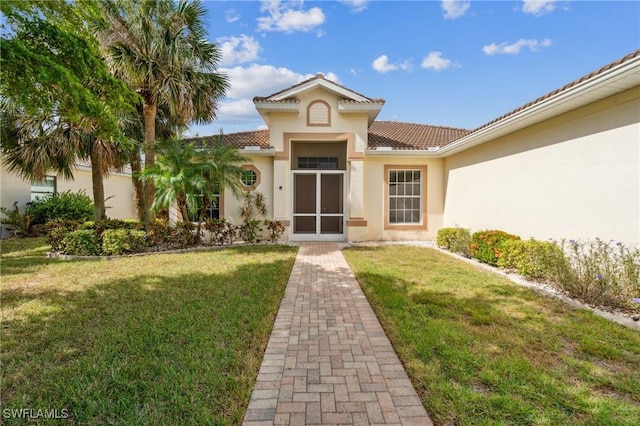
{"type": "Point", "coordinates": [118, 191]}
{"type": "Point", "coordinates": [575, 176]}
{"type": "Point", "coordinates": [117, 185]}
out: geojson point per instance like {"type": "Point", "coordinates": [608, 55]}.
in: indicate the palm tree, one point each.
{"type": "Point", "coordinates": [34, 144]}
{"type": "Point", "coordinates": [188, 176]}
{"type": "Point", "coordinates": [159, 48]}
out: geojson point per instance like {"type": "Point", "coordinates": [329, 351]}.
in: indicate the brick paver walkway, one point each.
{"type": "Point", "coordinates": [328, 360]}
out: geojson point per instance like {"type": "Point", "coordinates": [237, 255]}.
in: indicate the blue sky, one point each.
{"type": "Point", "coordinates": [449, 63]}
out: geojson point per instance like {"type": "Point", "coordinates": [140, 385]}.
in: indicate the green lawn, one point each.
{"type": "Point", "coordinates": [481, 350]}
{"type": "Point", "coordinates": [160, 339]}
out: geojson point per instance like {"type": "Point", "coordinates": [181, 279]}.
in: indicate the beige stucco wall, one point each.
{"type": "Point", "coordinates": [341, 128]}
{"type": "Point", "coordinates": [576, 176]}
{"type": "Point", "coordinates": [231, 208]}
{"type": "Point", "coordinates": [117, 185]}
{"type": "Point", "coordinates": [374, 198]}
{"type": "Point", "coordinates": [118, 191]}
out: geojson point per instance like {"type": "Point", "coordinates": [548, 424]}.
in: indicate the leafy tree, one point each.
{"type": "Point", "coordinates": [159, 48]}
{"type": "Point", "coordinates": [59, 101]}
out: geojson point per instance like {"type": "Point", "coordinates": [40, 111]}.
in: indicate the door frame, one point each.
{"type": "Point", "coordinates": [318, 236]}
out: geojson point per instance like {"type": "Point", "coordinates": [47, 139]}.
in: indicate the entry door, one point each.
{"type": "Point", "coordinates": [318, 206]}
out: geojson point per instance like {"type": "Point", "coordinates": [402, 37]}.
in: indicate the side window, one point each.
{"type": "Point", "coordinates": [405, 197]}
{"type": "Point", "coordinates": [43, 188]}
{"type": "Point", "coordinates": [250, 177]}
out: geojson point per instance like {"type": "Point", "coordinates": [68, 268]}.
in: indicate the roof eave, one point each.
{"type": "Point", "coordinates": [608, 83]}
{"type": "Point", "coordinates": [433, 152]}
{"type": "Point", "coordinates": [262, 152]}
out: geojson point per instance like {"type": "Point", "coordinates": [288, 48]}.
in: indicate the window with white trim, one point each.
{"type": "Point", "coordinates": [405, 197]}
{"type": "Point", "coordinates": [212, 210]}
{"type": "Point", "coordinates": [43, 188]}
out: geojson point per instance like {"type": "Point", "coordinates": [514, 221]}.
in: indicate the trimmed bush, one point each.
{"type": "Point", "coordinates": [182, 235]}
{"type": "Point", "coordinates": [486, 246]}
{"type": "Point", "coordinates": [540, 260]}
{"type": "Point", "coordinates": [64, 205]}
{"type": "Point", "coordinates": [159, 234]}
{"type": "Point", "coordinates": [456, 240]}
{"type": "Point", "coordinates": [120, 241]}
{"type": "Point", "coordinates": [221, 231]}
{"type": "Point", "coordinates": [251, 231]}
{"type": "Point", "coordinates": [57, 230]}
{"type": "Point", "coordinates": [275, 228]}
{"type": "Point", "coordinates": [82, 242]}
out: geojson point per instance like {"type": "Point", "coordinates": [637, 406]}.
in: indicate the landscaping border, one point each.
{"type": "Point", "coordinates": [543, 289]}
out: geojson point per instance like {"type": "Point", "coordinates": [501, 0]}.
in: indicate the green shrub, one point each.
{"type": "Point", "coordinates": [64, 205]}
{"type": "Point", "coordinates": [251, 231]}
{"type": "Point", "coordinates": [540, 260]}
{"type": "Point", "coordinates": [159, 234]}
{"type": "Point", "coordinates": [182, 235]}
{"type": "Point", "coordinates": [82, 242]}
{"type": "Point", "coordinates": [221, 231]}
{"type": "Point", "coordinates": [601, 273]}
{"type": "Point", "coordinates": [57, 230]}
{"type": "Point", "coordinates": [486, 246]}
{"type": "Point", "coordinates": [119, 241]}
{"type": "Point", "coordinates": [21, 224]}
{"type": "Point", "coordinates": [456, 240]}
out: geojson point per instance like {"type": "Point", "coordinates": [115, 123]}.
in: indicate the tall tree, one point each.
{"type": "Point", "coordinates": [159, 48]}
{"type": "Point", "coordinates": [59, 101]}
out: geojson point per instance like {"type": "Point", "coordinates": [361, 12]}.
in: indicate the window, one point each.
{"type": "Point", "coordinates": [249, 178]}
{"type": "Point", "coordinates": [405, 197]}
{"type": "Point", "coordinates": [211, 212]}
{"type": "Point", "coordinates": [325, 163]}
{"type": "Point", "coordinates": [43, 188]}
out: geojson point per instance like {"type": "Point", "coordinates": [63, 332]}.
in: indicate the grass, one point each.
{"type": "Point", "coordinates": [160, 339]}
{"type": "Point", "coordinates": [481, 350]}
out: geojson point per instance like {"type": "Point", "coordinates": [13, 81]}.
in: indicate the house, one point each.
{"type": "Point", "coordinates": [17, 192]}
{"type": "Point", "coordinates": [565, 165]}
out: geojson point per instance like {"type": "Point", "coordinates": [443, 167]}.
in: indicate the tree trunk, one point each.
{"type": "Point", "coordinates": [150, 111]}
{"type": "Point", "coordinates": [138, 189]}
{"type": "Point", "coordinates": [97, 178]}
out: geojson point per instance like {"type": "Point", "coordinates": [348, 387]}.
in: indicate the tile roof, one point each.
{"type": "Point", "coordinates": [238, 140]}
{"type": "Point", "coordinates": [563, 88]}
{"type": "Point", "coordinates": [318, 76]}
{"type": "Point", "coordinates": [411, 136]}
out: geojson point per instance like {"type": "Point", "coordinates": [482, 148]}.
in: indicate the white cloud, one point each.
{"type": "Point", "coordinates": [357, 6]}
{"type": "Point", "coordinates": [256, 80]}
{"type": "Point", "coordinates": [454, 8]}
{"type": "Point", "coordinates": [514, 48]}
{"type": "Point", "coordinates": [435, 61]}
{"type": "Point", "coordinates": [231, 16]}
{"type": "Point", "coordinates": [538, 7]}
{"type": "Point", "coordinates": [238, 50]}
{"type": "Point", "coordinates": [289, 17]}
{"type": "Point", "coordinates": [382, 65]}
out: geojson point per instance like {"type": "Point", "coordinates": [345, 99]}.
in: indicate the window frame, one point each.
{"type": "Point", "coordinates": [422, 224]}
{"type": "Point", "coordinates": [255, 170]}
{"type": "Point", "coordinates": [328, 110]}
{"type": "Point", "coordinates": [42, 194]}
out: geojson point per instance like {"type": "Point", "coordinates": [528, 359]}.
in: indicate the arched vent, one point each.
{"type": "Point", "coordinates": [318, 114]}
